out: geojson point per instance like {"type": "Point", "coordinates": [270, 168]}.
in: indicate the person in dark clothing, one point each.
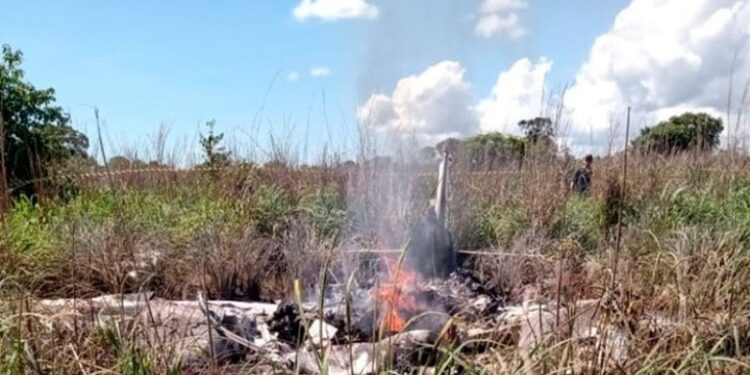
{"type": "Point", "coordinates": [582, 178]}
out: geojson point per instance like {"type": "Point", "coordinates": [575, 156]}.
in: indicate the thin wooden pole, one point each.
{"type": "Point", "coordinates": [4, 191]}
{"type": "Point", "coordinates": [623, 191]}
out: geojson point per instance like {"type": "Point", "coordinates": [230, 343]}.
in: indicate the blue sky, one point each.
{"type": "Point", "coordinates": [181, 63]}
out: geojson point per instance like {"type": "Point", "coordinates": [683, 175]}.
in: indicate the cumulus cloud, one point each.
{"type": "Point", "coordinates": [496, 6]}
{"type": "Point", "coordinates": [500, 17]}
{"type": "Point", "coordinates": [292, 76]}
{"type": "Point", "coordinates": [504, 24]}
{"type": "Point", "coordinates": [436, 104]}
{"type": "Point", "coordinates": [662, 58]}
{"type": "Point", "coordinates": [320, 71]}
{"type": "Point", "coordinates": [333, 10]}
{"type": "Point", "coordinates": [518, 94]}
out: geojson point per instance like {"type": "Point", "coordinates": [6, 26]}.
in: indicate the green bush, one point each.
{"type": "Point", "coordinates": [581, 219]}
{"type": "Point", "coordinates": [473, 230]}
{"type": "Point", "coordinates": [692, 208]}
{"type": "Point", "coordinates": [325, 210]}
{"type": "Point", "coordinates": [698, 208]}
{"type": "Point", "coordinates": [40, 233]}
{"type": "Point", "coordinates": [736, 208]}
{"type": "Point", "coordinates": [504, 223]}
{"type": "Point", "coordinates": [29, 233]}
{"type": "Point", "coordinates": [272, 210]}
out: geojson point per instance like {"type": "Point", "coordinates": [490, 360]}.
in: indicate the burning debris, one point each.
{"type": "Point", "coordinates": [422, 304]}
{"type": "Point", "coordinates": [396, 296]}
{"type": "Point", "coordinates": [426, 317]}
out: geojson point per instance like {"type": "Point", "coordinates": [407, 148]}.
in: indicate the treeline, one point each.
{"type": "Point", "coordinates": [37, 138]}
{"type": "Point", "coordinates": [687, 132]}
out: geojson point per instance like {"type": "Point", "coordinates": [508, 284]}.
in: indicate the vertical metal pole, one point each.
{"type": "Point", "coordinates": [440, 201]}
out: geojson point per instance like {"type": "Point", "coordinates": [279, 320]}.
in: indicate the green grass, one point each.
{"type": "Point", "coordinates": [40, 236]}
{"type": "Point", "coordinates": [325, 209]}
{"type": "Point", "coordinates": [272, 209]}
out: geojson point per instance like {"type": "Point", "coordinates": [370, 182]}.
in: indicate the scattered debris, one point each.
{"type": "Point", "coordinates": [457, 312]}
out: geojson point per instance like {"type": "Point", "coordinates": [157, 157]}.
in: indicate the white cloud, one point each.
{"type": "Point", "coordinates": [500, 17]}
{"type": "Point", "coordinates": [517, 95]}
{"type": "Point", "coordinates": [320, 71]}
{"type": "Point", "coordinates": [661, 58]}
{"type": "Point", "coordinates": [500, 24]}
{"type": "Point", "coordinates": [292, 76]}
{"type": "Point", "coordinates": [435, 104]}
{"type": "Point", "coordinates": [495, 6]}
{"type": "Point", "coordinates": [333, 10]}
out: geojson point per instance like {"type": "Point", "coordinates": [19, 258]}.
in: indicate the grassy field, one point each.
{"type": "Point", "coordinates": [249, 233]}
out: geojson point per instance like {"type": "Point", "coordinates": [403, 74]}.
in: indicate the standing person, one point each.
{"type": "Point", "coordinates": [582, 178]}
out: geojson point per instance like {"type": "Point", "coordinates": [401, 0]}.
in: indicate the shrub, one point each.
{"type": "Point", "coordinates": [504, 223]}
{"type": "Point", "coordinates": [581, 219]}
{"type": "Point", "coordinates": [272, 210]}
{"type": "Point", "coordinates": [325, 210]}
{"type": "Point", "coordinates": [30, 237]}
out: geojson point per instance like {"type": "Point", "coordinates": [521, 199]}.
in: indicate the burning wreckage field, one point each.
{"type": "Point", "coordinates": [421, 311]}
{"type": "Point", "coordinates": [403, 321]}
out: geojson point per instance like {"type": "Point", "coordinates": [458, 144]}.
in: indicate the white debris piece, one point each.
{"type": "Point", "coordinates": [320, 332]}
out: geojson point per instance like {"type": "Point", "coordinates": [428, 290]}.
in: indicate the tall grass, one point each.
{"type": "Point", "coordinates": [247, 233]}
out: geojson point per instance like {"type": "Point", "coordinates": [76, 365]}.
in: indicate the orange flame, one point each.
{"type": "Point", "coordinates": [395, 295]}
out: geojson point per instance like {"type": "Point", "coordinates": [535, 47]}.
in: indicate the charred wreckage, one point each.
{"type": "Point", "coordinates": [421, 308]}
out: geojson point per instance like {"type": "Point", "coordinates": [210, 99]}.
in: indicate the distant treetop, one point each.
{"type": "Point", "coordinates": [688, 131]}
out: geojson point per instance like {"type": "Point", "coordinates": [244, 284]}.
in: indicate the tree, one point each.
{"type": "Point", "coordinates": [681, 133]}
{"type": "Point", "coordinates": [216, 155]}
{"type": "Point", "coordinates": [486, 149]}
{"type": "Point", "coordinates": [538, 130]}
{"type": "Point", "coordinates": [494, 148]}
{"type": "Point", "coordinates": [36, 133]}
{"type": "Point", "coordinates": [428, 154]}
{"type": "Point", "coordinates": [450, 145]}
{"type": "Point", "coordinates": [122, 162]}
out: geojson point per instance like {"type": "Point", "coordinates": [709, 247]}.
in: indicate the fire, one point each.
{"type": "Point", "coordinates": [395, 296]}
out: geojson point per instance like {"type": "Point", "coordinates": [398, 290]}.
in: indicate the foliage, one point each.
{"type": "Point", "coordinates": [38, 233]}
{"type": "Point", "coordinates": [324, 208]}
{"type": "Point", "coordinates": [129, 359]}
{"type": "Point", "coordinates": [427, 154]}
{"type": "Point", "coordinates": [451, 145]}
{"type": "Point", "coordinates": [681, 133]}
{"type": "Point", "coordinates": [36, 132]}
{"type": "Point", "coordinates": [538, 130]}
{"type": "Point", "coordinates": [487, 149]}
{"type": "Point", "coordinates": [581, 219]}
{"type": "Point", "coordinates": [272, 210]}
{"type": "Point", "coordinates": [501, 225]}
{"type": "Point", "coordinates": [216, 155]}
{"type": "Point", "coordinates": [122, 162]}
{"type": "Point", "coordinates": [30, 233]}
{"type": "Point", "coordinates": [702, 207]}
